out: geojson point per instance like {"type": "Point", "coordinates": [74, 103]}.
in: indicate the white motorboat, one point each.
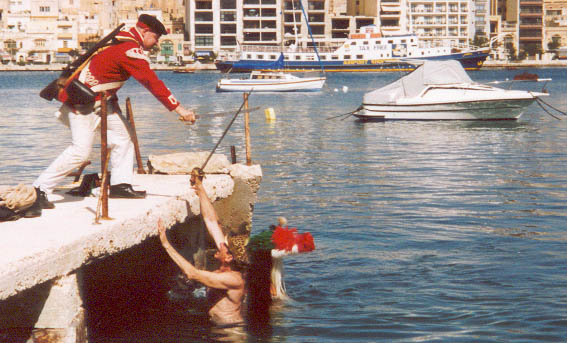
{"type": "Point", "coordinates": [259, 81]}
{"type": "Point", "coordinates": [442, 90]}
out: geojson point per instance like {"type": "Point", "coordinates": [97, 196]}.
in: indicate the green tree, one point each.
{"type": "Point", "coordinates": [511, 51]}
{"type": "Point", "coordinates": [554, 43]}
{"type": "Point", "coordinates": [479, 39]}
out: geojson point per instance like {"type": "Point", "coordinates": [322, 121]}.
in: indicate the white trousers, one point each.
{"type": "Point", "coordinates": [83, 130]}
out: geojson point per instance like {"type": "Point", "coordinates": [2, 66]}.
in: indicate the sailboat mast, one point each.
{"type": "Point", "coordinates": [311, 35]}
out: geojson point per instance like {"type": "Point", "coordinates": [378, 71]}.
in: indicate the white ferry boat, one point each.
{"type": "Point", "coordinates": [366, 51]}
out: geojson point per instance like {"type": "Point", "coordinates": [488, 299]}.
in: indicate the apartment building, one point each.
{"type": "Point", "coordinates": [221, 25]}
{"type": "Point", "coordinates": [448, 21]}
{"type": "Point", "coordinates": [555, 23]}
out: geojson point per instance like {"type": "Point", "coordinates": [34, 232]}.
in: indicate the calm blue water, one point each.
{"type": "Point", "coordinates": [425, 231]}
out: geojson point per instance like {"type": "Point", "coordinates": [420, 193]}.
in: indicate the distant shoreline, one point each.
{"type": "Point", "coordinates": [59, 67]}
{"type": "Point", "coordinates": [210, 66]}
{"type": "Point", "coordinates": [525, 64]}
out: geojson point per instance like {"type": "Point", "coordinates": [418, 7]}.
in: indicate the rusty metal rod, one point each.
{"type": "Point", "coordinates": [223, 134]}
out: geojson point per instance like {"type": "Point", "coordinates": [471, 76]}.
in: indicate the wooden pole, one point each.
{"type": "Point", "coordinates": [103, 195]}
{"type": "Point", "coordinates": [130, 117]}
{"type": "Point", "coordinates": [247, 130]}
{"type": "Point", "coordinates": [233, 154]}
{"type": "Point", "coordinates": [104, 155]}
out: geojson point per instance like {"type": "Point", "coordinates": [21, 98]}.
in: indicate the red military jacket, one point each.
{"type": "Point", "coordinates": [111, 67]}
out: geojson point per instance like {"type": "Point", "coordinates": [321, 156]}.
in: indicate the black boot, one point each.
{"type": "Point", "coordinates": [35, 209]}
{"type": "Point", "coordinates": [43, 201]}
{"type": "Point", "coordinates": [125, 190]}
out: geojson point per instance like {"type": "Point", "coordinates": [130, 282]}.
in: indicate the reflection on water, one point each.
{"type": "Point", "coordinates": [425, 231]}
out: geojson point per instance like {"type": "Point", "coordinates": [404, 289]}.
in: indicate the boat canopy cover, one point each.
{"type": "Point", "coordinates": [429, 73]}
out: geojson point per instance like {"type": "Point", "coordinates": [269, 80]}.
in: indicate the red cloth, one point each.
{"type": "Point", "coordinates": [120, 61]}
{"type": "Point", "coordinates": [286, 238]}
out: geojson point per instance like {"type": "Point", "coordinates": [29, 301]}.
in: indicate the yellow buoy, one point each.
{"type": "Point", "coordinates": [270, 113]}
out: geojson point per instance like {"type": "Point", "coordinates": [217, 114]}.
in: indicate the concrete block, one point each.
{"type": "Point", "coordinates": [184, 162]}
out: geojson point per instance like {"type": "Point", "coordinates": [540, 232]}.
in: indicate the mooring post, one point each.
{"type": "Point", "coordinates": [233, 154]}
{"type": "Point", "coordinates": [247, 130]}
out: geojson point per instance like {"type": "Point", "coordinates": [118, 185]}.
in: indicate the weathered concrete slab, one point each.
{"type": "Point", "coordinates": [184, 162]}
{"type": "Point", "coordinates": [36, 250]}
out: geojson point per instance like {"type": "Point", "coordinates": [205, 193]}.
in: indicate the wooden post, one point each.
{"type": "Point", "coordinates": [104, 155]}
{"type": "Point", "coordinates": [103, 196]}
{"type": "Point", "coordinates": [233, 154]}
{"type": "Point", "coordinates": [247, 130]}
{"type": "Point", "coordinates": [130, 117]}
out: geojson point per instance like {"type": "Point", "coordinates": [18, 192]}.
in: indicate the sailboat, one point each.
{"type": "Point", "coordinates": [273, 78]}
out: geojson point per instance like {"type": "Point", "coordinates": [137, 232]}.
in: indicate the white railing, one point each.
{"type": "Point", "coordinates": [287, 49]}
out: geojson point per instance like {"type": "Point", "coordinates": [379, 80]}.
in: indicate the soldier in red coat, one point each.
{"type": "Point", "coordinates": [106, 72]}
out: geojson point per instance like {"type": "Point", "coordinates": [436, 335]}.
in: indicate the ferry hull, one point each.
{"type": "Point", "coordinates": [469, 61]}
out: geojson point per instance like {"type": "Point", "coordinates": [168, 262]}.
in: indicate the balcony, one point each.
{"type": "Point", "coordinates": [203, 29]}
{"type": "Point", "coordinates": [289, 18]}
{"type": "Point", "coordinates": [316, 6]}
{"type": "Point", "coordinates": [203, 16]}
{"type": "Point", "coordinates": [251, 25]}
{"type": "Point", "coordinates": [228, 29]}
{"type": "Point", "coordinates": [203, 5]}
{"type": "Point", "coordinates": [228, 4]}
{"type": "Point", "coordinates": [227, 16]}
{"type": "Point", "coordinates": [316, 18]}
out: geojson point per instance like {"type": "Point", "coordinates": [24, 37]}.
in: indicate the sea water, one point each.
{"type": "Point", "coordinates": [424, 231]}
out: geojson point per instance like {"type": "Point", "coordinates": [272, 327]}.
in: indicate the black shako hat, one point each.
{"type": "Point", "coordinates": [152, 23]}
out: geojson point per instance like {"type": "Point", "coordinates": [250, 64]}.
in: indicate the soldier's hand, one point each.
{"type": "Point", "coordinates": [186, 115]}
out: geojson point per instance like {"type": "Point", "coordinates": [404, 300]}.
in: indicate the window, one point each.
{"type": "Point", "coordinates": [359, 57]}
{"type": "Point", "coordinates": [39, 43]}
{"type": "Point", "coordinates": [347, 57]}
{"type": "Point", "coordinates": [203, 41]}
{"type": "Point", "coordinates": [297, 57]}
{"type": "Point", "coordinates": [228, 40]}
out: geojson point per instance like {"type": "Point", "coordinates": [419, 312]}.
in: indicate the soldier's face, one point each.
{"type": "Point", "coordinates": [150, 39]}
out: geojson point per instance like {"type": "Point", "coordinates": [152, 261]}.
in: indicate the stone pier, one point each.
{"type": "Point", "coordinates": [61, 271]}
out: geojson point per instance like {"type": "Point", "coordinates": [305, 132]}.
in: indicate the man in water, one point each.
{"type": "Point", "coordinates": [225, 286]}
